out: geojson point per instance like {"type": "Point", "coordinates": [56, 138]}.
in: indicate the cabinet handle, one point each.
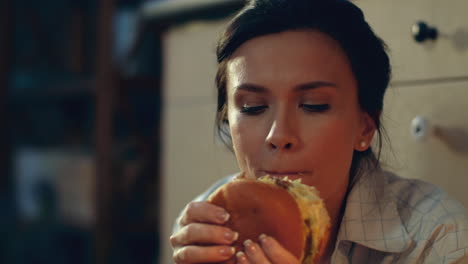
{"type": "Point", "coordinates": [422, 32]}
{"type": "Point", "coordinates": [455, 138]}
{"type": "Point", "coordinates": [420, 128]}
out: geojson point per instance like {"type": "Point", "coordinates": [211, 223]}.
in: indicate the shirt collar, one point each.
{"type": "Point", "coordinates": [371, 218]}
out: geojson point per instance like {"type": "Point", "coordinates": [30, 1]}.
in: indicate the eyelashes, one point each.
{"type": "Point", "coordinates": [315, 107]}
{"type": "Point", "coordinates": [258, 109]}
{"type": "Point", "coordinates": [253, 110]}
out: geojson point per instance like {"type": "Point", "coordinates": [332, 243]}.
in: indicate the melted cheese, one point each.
{"type": "Point", "coordinates": [313, 211]}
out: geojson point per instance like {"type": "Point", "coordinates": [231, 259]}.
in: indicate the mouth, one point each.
{"type": "Point", "coordinates": [292, 175]}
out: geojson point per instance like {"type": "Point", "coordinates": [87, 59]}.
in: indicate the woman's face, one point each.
{"type": "Point", "coordinates": [293, 109]}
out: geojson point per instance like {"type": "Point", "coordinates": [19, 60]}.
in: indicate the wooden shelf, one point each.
{"type": "Point", "coordinates": [75, 89]}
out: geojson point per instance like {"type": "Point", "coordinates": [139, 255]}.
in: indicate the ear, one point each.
{"type": "Point", "coordinates": [366, 132]}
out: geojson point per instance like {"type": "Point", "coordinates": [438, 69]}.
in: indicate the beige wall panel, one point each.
{"type": "Point", "coordinates": [446, 57]}
{"type": "Point", "coordinates": [190, 59]}
{"type": "Point", "coordinates": [442, 160]}
{"type": "Point", "coordinates": [192, 161]}
{"type": "Point", "coordinates": [193, 158]}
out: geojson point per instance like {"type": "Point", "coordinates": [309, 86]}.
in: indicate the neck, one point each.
{"type": "Point", "coordinates": [336, 210]}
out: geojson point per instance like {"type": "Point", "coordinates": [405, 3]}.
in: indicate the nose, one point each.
{"type": "Point", "coordinates": [282, 136]}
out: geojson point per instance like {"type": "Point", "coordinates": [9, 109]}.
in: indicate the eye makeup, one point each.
{"type": "Point", "coordinates": [310, 101]}
{"type": "Point", "coordinates": [253, 110]}
{"type": "Point", "coordinates": [315, 108]}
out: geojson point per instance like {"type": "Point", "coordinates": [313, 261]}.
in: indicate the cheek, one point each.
{"type": "Point", "coordinates": [330, 141]}
{"type": "Point", "coordinates": [247, 138]}
{"type": "Point", "coordinates": [246, 135]}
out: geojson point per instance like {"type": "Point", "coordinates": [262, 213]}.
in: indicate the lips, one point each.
{"type": "Point", "coordinates": [292, 175]}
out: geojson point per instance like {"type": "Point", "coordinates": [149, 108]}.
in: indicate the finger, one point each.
{"type": "Point", "coordinates": [197, 233]}
{"type": "Point", "coordinates": [240, 176]}
{"type": "Point", "coordinates": [199, 254]}
{"type": "Point", "coordinates": [241, 258]}
{"type": "Point", "coordinates": [254, 253]}
{"type": "Point", "coordinates": [275, 252]}
{"type": "Point", "coordinates": [203, 212]}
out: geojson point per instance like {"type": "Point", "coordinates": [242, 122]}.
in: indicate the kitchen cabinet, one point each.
{"type": "Point", "coordinates": [430, 80]}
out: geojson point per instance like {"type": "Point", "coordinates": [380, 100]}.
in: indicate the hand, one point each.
{"type": "Point", "coordinates": [268, 251]}
{"type": "Point", "coordinates": [201, 238]}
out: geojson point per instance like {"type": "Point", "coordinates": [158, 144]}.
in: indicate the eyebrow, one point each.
{"type": "Point", "coordinates": [298, 88]}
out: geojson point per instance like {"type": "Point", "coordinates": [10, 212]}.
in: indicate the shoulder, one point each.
{"type": "Point", "coordinates": [436, 222]}
{"type": "Point", "coordinates": [418, 200]}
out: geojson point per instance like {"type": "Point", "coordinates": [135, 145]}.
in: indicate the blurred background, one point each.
{"type": "Point", "coordinates": [80, 138]}
{"type": "Point", "coordinates": [79, 133]}
{"type": "Point", "coordinates": [107, 112]}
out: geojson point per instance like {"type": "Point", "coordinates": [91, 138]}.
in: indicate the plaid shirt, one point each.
{"type": "Point", "coordinates": [389, 219]}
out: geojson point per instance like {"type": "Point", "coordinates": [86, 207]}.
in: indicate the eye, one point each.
{"type": "Point", "coordinates": [315, 107]}
{"type": "Point", "coordinates": [253, 110]}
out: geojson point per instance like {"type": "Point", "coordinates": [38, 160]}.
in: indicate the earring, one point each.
{"type": "Point", "coordinates": [363, 144]}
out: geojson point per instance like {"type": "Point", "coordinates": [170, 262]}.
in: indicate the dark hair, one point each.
{"type": "Point", "coordinates": [341, 20]}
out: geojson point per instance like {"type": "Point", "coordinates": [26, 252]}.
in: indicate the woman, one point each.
{"type": "Point", "coordinates": [300, 93]}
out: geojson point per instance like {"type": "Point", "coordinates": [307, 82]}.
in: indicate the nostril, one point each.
{"type": "Point", "coordinates": [286, 146]}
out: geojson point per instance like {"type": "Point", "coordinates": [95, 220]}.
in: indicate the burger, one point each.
{"type": "Point", "coordinates": [287, 210]}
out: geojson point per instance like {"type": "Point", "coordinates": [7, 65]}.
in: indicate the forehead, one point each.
{"type": "Point", "coordinates": [289, 58]}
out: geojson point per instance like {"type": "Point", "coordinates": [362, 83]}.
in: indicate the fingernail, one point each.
{"type": "Point", "coordinates": [241, 256]}
{"type": "Point", "coordinates": [180, 256]}
{"type": "Point", "coordinates": [249, 245]}
{"type": "Point", "coordinates": [223, 216]}
{"type": "Point", "coordinates": [231, 236]}
{"type": "Point", "coordinates": [227, 251]}
{"type": "Point", "coordinates": [262, 238]}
